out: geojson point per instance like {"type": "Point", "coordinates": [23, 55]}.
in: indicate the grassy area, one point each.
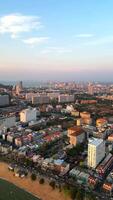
{"type": "Point", "coordinates": [8, 191]}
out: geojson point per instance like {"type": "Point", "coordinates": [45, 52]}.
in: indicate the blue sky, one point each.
{"type": "Point", "coordinates": [56, 40]}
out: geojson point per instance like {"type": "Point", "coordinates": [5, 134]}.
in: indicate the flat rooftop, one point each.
{"type": "Point", "coordinates": [95, 141]}
{"type": "Point", "coordinates": [76, 131]}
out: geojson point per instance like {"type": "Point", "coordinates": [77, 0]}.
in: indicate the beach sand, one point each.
{"type": "Point", "coordinates": [45, 192]}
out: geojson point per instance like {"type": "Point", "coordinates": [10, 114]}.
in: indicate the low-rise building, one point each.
{"type": "Point", "coordinates": [10, 137]}
{"type": "Point", "coordinates": [76, 135]}
{"type": "Point", "coordinates": [61, 166]}
{"type": "Point", "coordinates": [85, 115]}
{"type": "Point", "coordinates": [105, 165]}
{"type": "Point", "coordinates": [18, 142]}
{"type": "Point", "coordinates": [88, 101]}
{"type": "Point", "coordinates": [101, 122]}
{"type": "Point", "coordinates": [75, 113]}
{"type": "Point", "coordinates": [108, 187]}
{"type": "Point", "coordinates": [110, 138]}
{"type": "Point", "coordinates": [86, 118]}
{"type": "Point", "coordinates": [92, 181]}
{"type": "Point", "coordinates": [74, 172]}
{"type": "Point", "coordinates": [5, 148]}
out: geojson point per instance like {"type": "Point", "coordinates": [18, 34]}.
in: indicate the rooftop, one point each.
{"type": "Point", "coordinates": [76, 130]}
{"type": "Point", "coordinates": [95, 141]}
{"type": "Point", "coordinates": [101, 120]}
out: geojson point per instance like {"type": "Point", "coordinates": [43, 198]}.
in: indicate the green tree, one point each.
{"type": "Point", "coordinates": [79, 195]}
{"type": "Point", "coordinates": [42, 181]}
{"type": "Point", "coordinates": [52, 184]}
{"type": "Point", "coordinates": [73, 192]}
{"type": "Point", "coordinates": [33, 177]}
{"type": "Point", "coordinates": [60, 188]}
{"type": "Point", "coordinates": [90, 196]}
{"type": "Point", "coordinates": [66, 190]}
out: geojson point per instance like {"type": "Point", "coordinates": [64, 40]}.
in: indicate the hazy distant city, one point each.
{"type": "Point", "coordinates": [60, 135]}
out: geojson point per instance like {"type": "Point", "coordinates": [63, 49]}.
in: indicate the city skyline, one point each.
{"type": "Point", "coordinates": [56, 40]}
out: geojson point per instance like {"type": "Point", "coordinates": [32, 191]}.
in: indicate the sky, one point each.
{"type": "Point", "coordinates": [59, 40]}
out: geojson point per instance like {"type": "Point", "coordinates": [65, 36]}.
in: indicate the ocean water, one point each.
{"type": "Point", "coordinates": [26, 83]}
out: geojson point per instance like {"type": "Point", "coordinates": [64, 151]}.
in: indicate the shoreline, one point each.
{"type": "Point", "coordinates": [43, 192]}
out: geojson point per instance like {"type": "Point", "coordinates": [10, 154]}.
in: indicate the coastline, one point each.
{"type": "Point", "coordinates": [43, 192]}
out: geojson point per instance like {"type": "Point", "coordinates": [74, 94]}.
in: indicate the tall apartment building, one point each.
{"type": "Point", "coordinates": [7, 122]}
{"type": "Point", "coordinates": [41, 99]}
{"type": "Point", "coordinates": [90, 89]}
{"type": "Point", "coordinates": [65, 98]}
{"type": "Point", "coordinates": [28, 115]}
{"type": "Point", "coordinates": [96, 152]}
{"type": "Point", "coordinates": [19, 88]}
{"type": "Point", "coordinates": [4, 100]}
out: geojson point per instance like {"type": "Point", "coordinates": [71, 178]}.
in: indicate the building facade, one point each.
{"type": "Point", "coordinates": [76, 135]}
{"type": "Point", "coordinates": [4, 100]}
{"type": "Point", "coordinates": [7, 122]}
{"type": "Point", "coordinates": [96, 152]}
{"type": "Point", "coordinates": [65, 98]}
{"type": "Point", "coordinates": [41, 99]}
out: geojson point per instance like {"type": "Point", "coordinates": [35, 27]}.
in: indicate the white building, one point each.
{"type": "Point", "coordinates": [49, 108]}
{"type": "Point", "coordinates": [28, 115]}
{"type": "Point", "coordinates": [7, 122]}
{"type": "Point", "coordinates": [96, 152]}
{"type": "Point", "coordinates": [69, 108]}
{"type": "Point", "coordinates": [65, 98]}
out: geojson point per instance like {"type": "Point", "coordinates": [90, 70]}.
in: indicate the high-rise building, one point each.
{"type": "Point", "coordinates": [65, 98]}
{"type": "Point", "coordinates": [40, 99]}
{"type": "Point", "coordinates": [19, 88]}
{"type": "Point", "coordinates": [7, 122]}
{"type": "Point", "coordinates": [90, 89]}
{"type": "Point", "coordinates": [4, 100]}
{"type": "Point", "coordinates": [96, 152]}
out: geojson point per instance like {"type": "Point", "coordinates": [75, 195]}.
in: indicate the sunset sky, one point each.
{"type": "Point", "coordinates": [62, 40]}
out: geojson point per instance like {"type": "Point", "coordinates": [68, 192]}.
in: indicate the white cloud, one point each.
{"type": "Point", "coordinates": [56, 50]}
{"type": "Point", "coordinates": [14, 24]}
{"type": "Point", "coordinates": [35, 40]}
{"type": "Point", "coordinates": [84, 35]}
{"type": "Point", "coordinates": [101, 41]}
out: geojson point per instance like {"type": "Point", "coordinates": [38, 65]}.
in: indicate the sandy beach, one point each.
{"type": "Point", "coordinates": [45, 192]}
